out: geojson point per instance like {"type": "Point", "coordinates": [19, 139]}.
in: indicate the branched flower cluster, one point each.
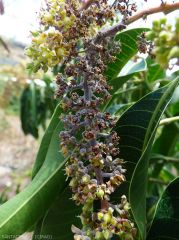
{"type": "Point", "coordinates": [144, 45]}
{"type": "Point", "coordinates": [62, 26]}
{"type": "Point", "coordinates": [166, 41]}
{"type": "Point", "coordinates": [94, 169]}
{"type": "Point", "coordinates": [125, 7]}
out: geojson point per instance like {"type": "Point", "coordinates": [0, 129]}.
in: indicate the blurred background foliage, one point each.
{"type": "Point", "coordinates": [37, 105]}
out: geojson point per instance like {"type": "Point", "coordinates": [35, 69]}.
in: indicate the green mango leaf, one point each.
{"type": "Point", "coordinates": [133, 67]}
{"type": "Point", "coordinates": [26, 208]}
{"type": "Point", "coordinates": [118, 109]}
{"type": "Point", "coordinates": [155, 71]}
{"type": "Point", "coordinates": [128, 41]}
{"type": "Point", "coordinates": [59, 218]}
{"type": "Point", "coordinates": [165, 145]}
{"type": "Point", "coordinates": [166, 220]}
{"type": "Point", "coordinates": [136, 128]}
{"type": "Point", "coordinates": [29, 110]}
{"type": "Point", "coordinates": [51, 223]}
{"type": "Point", "coordinates": [44, 146]}
{"type": "Point", "coordinates": [126, 73]}
{"type": "Point", "coordinates": [37, 105]}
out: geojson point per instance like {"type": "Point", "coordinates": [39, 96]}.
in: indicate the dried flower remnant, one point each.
{"type": "Point", "coordinates": [144, 45]}
{"type": "Point", "coordinates": [1, 7]}
{"type": "Point", "coordinates": [125, 7]}
{"type": "Point", "coordinates": [94, 169]}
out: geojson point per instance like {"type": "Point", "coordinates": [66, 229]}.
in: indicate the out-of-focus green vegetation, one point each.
{"type": "Point", "coordinates": [37, 105]}
{"type": "Point", "coordinates": [13, 75]}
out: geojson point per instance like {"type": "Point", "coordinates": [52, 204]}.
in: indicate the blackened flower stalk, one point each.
{"type": "Point", "coordinates": [1, 7]}
{"type": "Point", "coordinates": [70, 37]}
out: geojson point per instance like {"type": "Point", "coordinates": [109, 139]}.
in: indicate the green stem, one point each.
{"type": "Point", "coordinates": [158, 181]}
{"type": "Point", "coordinates": [164, 158]}
{"type": "Point", "coordinates": [169, 120]}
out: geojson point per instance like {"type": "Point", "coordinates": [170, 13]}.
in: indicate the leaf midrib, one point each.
{"type": "Point", "coordinates": [155, 114]}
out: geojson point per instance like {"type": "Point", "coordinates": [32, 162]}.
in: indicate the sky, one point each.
{"type": "Point", "coordinates": [21, 17]}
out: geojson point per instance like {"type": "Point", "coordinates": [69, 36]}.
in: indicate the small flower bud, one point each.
{"type": "Point", "coordinates": [99, 235]}
{"type": "Point", "coordinates": [85, 179]}
{"type": "Point", "coordinates": [100, 194]}
{"type": "Point", "coordinates": [64, 150]}
{"type": "Point", "coordinates": [100, 216]}
{"type": "Point", "coordinates": [107, 218]}
{"type": "Point", "coordinates": [106, 234]}
{"type": "Point", "coordinates": [113, 222]}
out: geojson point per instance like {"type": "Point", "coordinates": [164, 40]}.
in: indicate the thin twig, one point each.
{"type": "Point", "coordinates": [165, 8]}
{"type": "Point", "coordinates": [4, 45]}
{"type": "Point", "coordinates": [158, 181]}
{"type": "Point", "coordinates": [162, 158]}
{"type": "Point", "coordinates": [86, 5]}
{"type": "Point", "coordinates": [170, 160]}
{"type": "Point", "coordinates": [109, 32]}
{"type": "Point", "coordinates": [169, 120]}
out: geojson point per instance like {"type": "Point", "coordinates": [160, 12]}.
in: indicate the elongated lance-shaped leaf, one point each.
{"type": "Point", "coordinates": [136, 125]}
{"type": "Point", "coordinates": [126, 73]}
{"type": "Point", "coordinates": [120, 71]}
{"type": "Point", "coordinates": [128, 43]}
{"type": "Point", "coordinates": [28, 113]}
{"type": "Point", "coordinates": [21, 212]}
{"type": "Point", "coordinates": [44, 146]}
{"type": "Point", "coordinates": [165, 145]}
{"type": "Point", "coordinates": [58, 220]}
{"type": "Point", "coordinates": [116, 83]}
{"type": "Point", "coordinates": [136, 128]}
{"type": "Point", "coordinates": [166, 220]}
{"type": "Point", "coordinates": [155, 71]}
